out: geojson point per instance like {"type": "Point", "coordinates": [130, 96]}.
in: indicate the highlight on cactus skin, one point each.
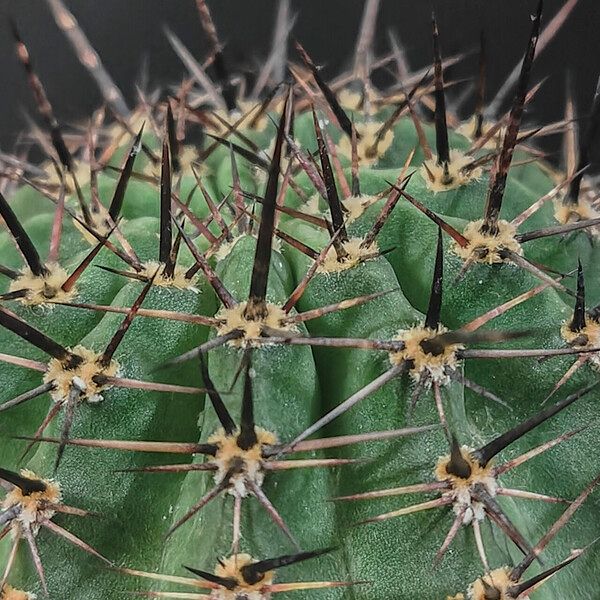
{"type": "Point", "coordinates": [223, 309]}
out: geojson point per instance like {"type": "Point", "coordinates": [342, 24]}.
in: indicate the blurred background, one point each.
{"type": "Point", "coordinates": [129, 36]}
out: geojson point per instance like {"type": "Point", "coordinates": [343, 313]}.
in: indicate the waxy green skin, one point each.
{"type": "Point", "coordinates": [127, 535]}
{"type": "Point", "coordinates": [295, 385]}
{"type": "Point", "coordinates": [287, 399]}
{"type": "Point", "coordinates": [414, 237]}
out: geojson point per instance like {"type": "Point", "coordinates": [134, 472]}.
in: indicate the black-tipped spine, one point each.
{"type": "Point", "coordinates": [119, 194]}
{"type": "Point", "coordinates": [441, 126]}
{"type": "Point", "coordinates": [22, 239]}
{"type": "Point", "coordinates": [247, 437]}
{"type": "Point", "coordinates": [578, 322]}
{"type": "Point", "coordinates": [500, 172]}
{"type": "Point", "coordinates": [487, 452]}
{"type": "Point", "coordinates": [254, 572]}
{"type": "Point", "coordinates": [262, 257]}
{"type": "Point", "coordinates": [432, 320]}
{"type": "Point", "coordinates": [222, 413]}
{"type": "Point", "coordinates": [166, 235]}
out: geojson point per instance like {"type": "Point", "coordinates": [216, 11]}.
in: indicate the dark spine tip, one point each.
{"type": "Point", "coordinates": [500, 171]}
{"type": "Point", "coordinates": [222, 413]}
{"type": "Point", "coordinates": [229, 583]}
{"type": "Point", "coordinates": [173, 142]}
{"type": "Point", "coordinates": [517, 590]}
{"type": "Point", "coordinates": [166, 236]}
{"type": "Point", "coordinates": [26, 485]}
{"type": "Point", "coordinates": [254, 572]}
{"type": "Point", "coordinates": [441, 127]}
{"type": "Point", "coordinates": [22, 240]}
{"type": "Point", "coordinates": [333, 199]}
{"type": "Point", "coordinates": [432, 319]}
{"type": "Point", "coordinates": [247, 437]}
{"type": "Point", "coordinates": [329, 95]}
{"type": "Point", "coordinates": [578, 322]}
{"type": "Point", "coordinates": [458, 465]}
{"type": "Point", "coordinates": [119, 194]}
{"type": "Point", "coordinates": [262, 256]}
{"type": "Point", "coordinates": [490, 450]}
{"type": "Point", "coordinates": [35, 337]}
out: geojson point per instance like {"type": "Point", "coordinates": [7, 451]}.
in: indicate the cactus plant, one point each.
{"type": "Point", "coordinates": [330, 328]}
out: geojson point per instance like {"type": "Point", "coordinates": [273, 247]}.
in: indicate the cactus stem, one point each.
{"type": "Point", "coordinates": [272, 511]}
{"type": "Point", "coordinates": [518, 570]}
{"type": "Point", "coordinates": [208, 497]}
{"type": "Point", "coordinates": [491, 449]}
{"type": "Point", "coordinates": [118, 336]}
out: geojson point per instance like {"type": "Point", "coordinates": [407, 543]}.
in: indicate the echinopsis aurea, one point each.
{"type": "Point", "coordinates": [345, 346]}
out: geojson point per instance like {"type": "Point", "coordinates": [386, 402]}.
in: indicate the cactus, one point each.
{"type": "Point", "coordinates": [305, 342]}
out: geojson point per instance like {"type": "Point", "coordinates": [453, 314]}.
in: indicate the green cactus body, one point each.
{"type": "Point", "coordinates": [410, 492]}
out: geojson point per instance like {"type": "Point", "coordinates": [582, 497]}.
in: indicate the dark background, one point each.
{"type": "Point", "coordinates": [126, 33]}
